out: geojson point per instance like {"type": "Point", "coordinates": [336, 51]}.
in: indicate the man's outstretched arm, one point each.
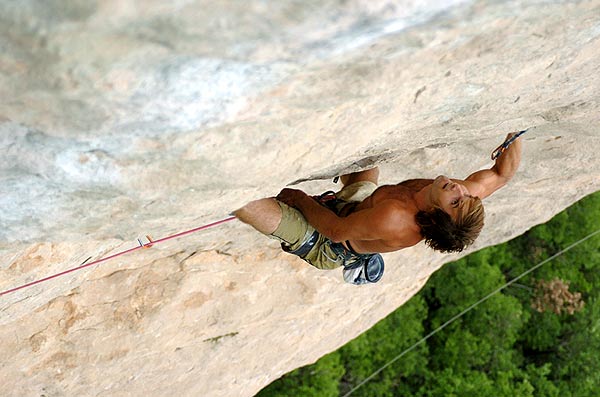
{"type": "Point", "coordinates": [485, 182]}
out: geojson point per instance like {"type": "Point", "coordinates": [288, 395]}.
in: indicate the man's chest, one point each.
{"type": "Point", "coordinates": [404, 191]}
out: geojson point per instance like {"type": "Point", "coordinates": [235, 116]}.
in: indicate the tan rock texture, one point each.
{"type": "Point", "coordinates": [122, 118]}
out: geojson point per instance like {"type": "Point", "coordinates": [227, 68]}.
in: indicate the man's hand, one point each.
{"type": "Point", "coordinates": [291, 196]}
{"type": "Point", "coordinates": [510, 135]}
{"type": "Point", "coordinates": [500, 149]}
{"type": "Point", "coordinates": [485, 182]}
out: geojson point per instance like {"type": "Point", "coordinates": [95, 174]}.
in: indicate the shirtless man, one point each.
{"type": "Point", "coordinates": [364, 219]}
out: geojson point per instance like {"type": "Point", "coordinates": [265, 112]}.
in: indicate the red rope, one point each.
{"type": "Point", "coordinates": [147, 245]}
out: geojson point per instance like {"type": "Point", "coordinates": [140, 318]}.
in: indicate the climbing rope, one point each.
{"type": "Point", "coordinates": [141, 245]}
{"type": "Point", "coordinates": [468, 309]}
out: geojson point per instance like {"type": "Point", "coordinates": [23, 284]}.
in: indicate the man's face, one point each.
{"type": "Point", "coordinates": [448, 195]}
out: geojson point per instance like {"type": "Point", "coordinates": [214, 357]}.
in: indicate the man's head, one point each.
{"type": "Point", "coordinates": [455, 219]}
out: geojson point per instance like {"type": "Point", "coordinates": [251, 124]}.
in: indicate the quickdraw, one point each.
{"type": "Point", "coordinates": [500, 149]}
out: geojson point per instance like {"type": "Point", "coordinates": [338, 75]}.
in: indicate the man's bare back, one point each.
{"type": "Point", "coordinates": [404, 194]}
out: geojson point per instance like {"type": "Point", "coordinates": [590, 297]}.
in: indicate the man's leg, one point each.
{"type": "Point", "coordinates": [264, 215]}
{"type": "Point", "coordinates": [371, 175]}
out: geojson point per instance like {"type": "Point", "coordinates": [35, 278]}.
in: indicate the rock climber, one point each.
{"type": "Point", "coordinates": [352, 227]}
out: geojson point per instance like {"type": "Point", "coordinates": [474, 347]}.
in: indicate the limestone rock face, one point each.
{"type": "Point", "coordinates": [120, 119]}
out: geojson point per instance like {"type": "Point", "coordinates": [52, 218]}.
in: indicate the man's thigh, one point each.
{"type": "Point", "coordinates": [293, 229]}
{"type": "Point", "coordinates": [357, 191]}
{"type": "Point", "coordinates": [370, 175]}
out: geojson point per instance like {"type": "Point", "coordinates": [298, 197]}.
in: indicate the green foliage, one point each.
{"type": "Point", "coordinates": [577, 360]}
{"type": "Point", "coordinates": [450, 383]}
{"type": "Point", "coordinates": [544, 336]}
{"type": "Point", "coordinates": [319, 379]}
{"type": "Point", "coordinates": [479, 339]}
{"type": "Point", "coordinates": [503, 347]}
{"type": "Point", "coordinates": [538, 378]}
{"type": "Point", "coordinates": [382, 343]}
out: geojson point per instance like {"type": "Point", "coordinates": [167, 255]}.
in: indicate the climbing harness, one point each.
{"type": "Point", "coordinates": [500, 149]}
{"type": "Point", "coordinates": [149, 244]}
{"type": "Point", "coordinates": [358, 268]}
{"type": "Point", "coordinates": [305, 248]}
{"type": "Point", "coordinates": [329, 200]}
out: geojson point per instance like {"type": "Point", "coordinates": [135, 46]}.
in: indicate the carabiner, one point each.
{"type": "Point", "coordinates": [500, 149]}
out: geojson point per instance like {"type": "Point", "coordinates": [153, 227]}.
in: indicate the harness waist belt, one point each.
{"type": "Point", "coordinates": [305, 247]}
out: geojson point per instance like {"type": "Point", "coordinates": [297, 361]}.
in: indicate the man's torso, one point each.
{"type": "Point", "coordinates": [404, 193]}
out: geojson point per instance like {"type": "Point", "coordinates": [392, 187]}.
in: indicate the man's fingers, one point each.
{"type": "Point", "coordinates": [500, 149]}
{"type": "Point", "coordinates": [287, 196]}
{"type": "Point", "coordinates": [285, 193]}
{"type": "Point", "coordinates": [509, 136]}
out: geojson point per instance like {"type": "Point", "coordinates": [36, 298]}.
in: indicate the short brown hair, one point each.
{"type": "Point", "coordinates": [444, 234]}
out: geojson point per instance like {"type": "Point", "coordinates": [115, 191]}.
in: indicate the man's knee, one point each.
{"type": "Point", "coordinates": [264, 215]}
{"type": "Point", "coordinates": [371, 175]}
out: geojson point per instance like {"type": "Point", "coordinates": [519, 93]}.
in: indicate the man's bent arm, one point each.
{"type": "Point", "coordinates": [385, 222]}
{"type": "Point", "coordinates": [324, 220]}
{"type": "Point", "coordinates": [485, 182]}
{"type": "Point", "coordinates": [508, 163]}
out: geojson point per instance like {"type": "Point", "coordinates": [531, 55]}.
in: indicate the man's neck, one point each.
{"type": "Point", "coordinates": [422, 198]}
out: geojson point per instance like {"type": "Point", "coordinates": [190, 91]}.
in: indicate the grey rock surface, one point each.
{"type": "Point", "coordinates": [120, 119]}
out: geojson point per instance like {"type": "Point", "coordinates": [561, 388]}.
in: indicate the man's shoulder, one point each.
{"type": "Point", "coordinates": [415, 184]}
{"type": "Point", "coordinates": [397, 213]}
{"type": "Point", "coordinates": [398, 219]}
{"type": "Point", "coordinates": [400, 196]}
{"type": "Point", "coordinates": [395, 205]}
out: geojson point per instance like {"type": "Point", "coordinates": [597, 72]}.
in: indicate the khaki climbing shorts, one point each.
{"type": "Point", "coordinates": [294, 230]}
